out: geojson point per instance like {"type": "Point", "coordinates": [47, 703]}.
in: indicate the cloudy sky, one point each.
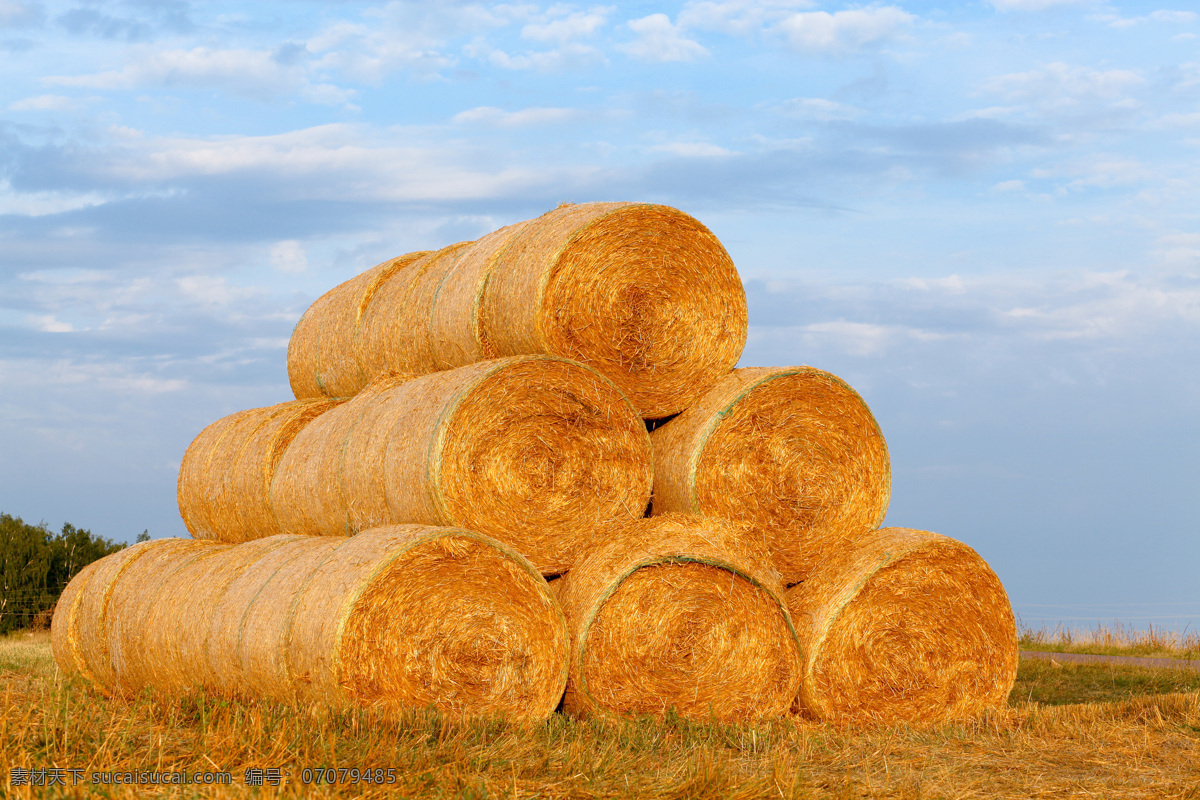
{"type": "Point", "coordinates": [984, 215]}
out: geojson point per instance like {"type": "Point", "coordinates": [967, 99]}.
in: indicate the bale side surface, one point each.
{"type": "Point", "coordinates": [92, 615]}
{"type": "Point", "coordinates": [193, 492]}
{"type": "Point", "coordinates": [64, 625]}
{"type": "Point", "coordinates": [144, 625]}
{"type": "Point", "coordinates": [308, 492]}
{"type": "Point", "coordinates": [133, 603]}
{"type": "Point", "coordinates": [227, 626]}
{"type": "Point", "coordinates": [679, 612]}
{"type": "Point", "coordinates": [643, 293]}
{"type": "Point", "coordinates": [904, 626]}
{"type": "Point", "coordinates": [533, 450]}
{"type": "Point", "coordinates": [394, 334]}
{"type": "Point", "coordinates": [792, 450]}
{"type": "Point", "coordinates": [455, 325]}
{"type": "Point", "coordinates": [193, 597]}
{"type": "Point", "coordinates": [415, 616]}
{"type": "Point", "coordinates": [322, 357]}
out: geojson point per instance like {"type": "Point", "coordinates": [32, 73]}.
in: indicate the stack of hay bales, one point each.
{"type": "Point", "coordinates": [501, 391]}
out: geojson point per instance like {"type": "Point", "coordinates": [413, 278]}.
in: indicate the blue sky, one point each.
{"type": "Point", "coordinates": [983, 215]}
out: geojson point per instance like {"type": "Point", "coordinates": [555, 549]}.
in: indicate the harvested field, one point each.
{"type": "Point", "coordinates": [1121, 749]}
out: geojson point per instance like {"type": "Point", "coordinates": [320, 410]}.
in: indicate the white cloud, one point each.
{"type": "Point", "coordinates": [1032, 5]}
{"type": "Point", "coordinates": [14, 13]}
{"type": "Point", "coordinates": [1009, 186]}
{"type": "Point", "coordinates": [659, 40]}
{"type": "Point", "coordinates": [738, 17]}
{"type": "Point", "coordinates": [842, 31]}
{"type": "Point", "coordinates": [489, 115]}
{"type": "Point", "coordinates": [48, 323]}
{"type": "Point", "coordinates": [1059, 87]}
{"type": "Point", "coordinates": [564, 29]}
{"type": "Point", "coordinates": [568, 57]}
{"type": "Point", "coordinates": [1175, 17]}
{"type": "Point", "coordinates": [691, 149]}
{"type": "Point", "coordinates": [211, 291]}
{"type": "Point", "coordinates": [47, 102]}
{"type": "Point", "coordinates": [288, 256]}
{"type": "Point", "coordinates": [817, 108]}
{"type": "Point", "coordinates": [244, 72]}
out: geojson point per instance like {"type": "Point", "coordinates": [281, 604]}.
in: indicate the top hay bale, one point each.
{"type": "Point", "coordinates": [793, 451]}
{"type": "Point", "coordinates": [643, 293]}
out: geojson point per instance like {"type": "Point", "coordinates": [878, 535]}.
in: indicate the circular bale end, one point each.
{"type": "Point", "coordinates": [793, 451]}
{"type": "Point", "coordinates": [496, 644]}
{"type": "Point", "coordinates": [539, 454]}
{"type": "Point", "coordinates": [683, 613]}
{"type": "Point", "coordinates": [904, 627]}
{"type": "Point", "coordinates": [643, 293]}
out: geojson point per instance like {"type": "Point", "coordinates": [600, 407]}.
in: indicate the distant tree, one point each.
{"type": "Point", "coordinates": [144, 536]}
{"type": "Point", "coordinates": [35, 566]}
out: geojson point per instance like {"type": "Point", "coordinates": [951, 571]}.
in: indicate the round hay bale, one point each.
{"type": "Point", "coordinates": [409, 616]}
{"type": "Point", "coordinates": [643, 293]}
{"type": "Point", "coordinates": [322, 358]}
{"type": "Point", "coordinates": [64, 626]}
{"type": "Point", "coordinates": [394, 333]}
{"type": "Point", "coordinates": [92, 612]}
{"type": "Point", "coordinates": [192, 597]}
{"type": "Point", "coordinates": [793, 451]}
{"type": "Point", "coordinates": [683, 613]}
{"type": "Point", "coordinates": [904, 626]}
{"type": "Point", "coordinates": [535, 451]}
{"type": "Point", "coordinates": [132, 606]}
{"type": "Point", "coordinates": [293, 557]}
{"type": "Point", "coordinates": [224, 490]}
{"type": "Point", "coordinates": [454, 320]}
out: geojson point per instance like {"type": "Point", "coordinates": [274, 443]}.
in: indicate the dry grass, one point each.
{"type": "Point", "coordinates": [1116, 639]}
{"type": "Point", "coordinates": [1146, 747]}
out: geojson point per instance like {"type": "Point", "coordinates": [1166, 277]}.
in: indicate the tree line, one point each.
{"type": "Point", "coordinates": [36, 565]}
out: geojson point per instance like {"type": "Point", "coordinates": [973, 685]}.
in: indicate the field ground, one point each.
{"type": "Point", "coordinates": [1069, 731]}
{"type": "Point", "coordinates": [1114, 640]}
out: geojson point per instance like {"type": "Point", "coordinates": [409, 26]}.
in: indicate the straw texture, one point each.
{"type": "Point", "coordinates": [394, 333]}
{"type": "Point", "coordinates": [395, 617]}
{"type": "Point", "coordinates": [535, 451]}
{"type": "Point", "coordinates": [323, 353]}
{"type": "Point", "coordinates": [679, 612]}
{"type": "Point", "coordinates": [455, 324]}
{"type": "Point", "coordinates": [136, 617]}
{"type": "Point", "coordinates": [91, 613]}
{"type": "Point", "coordinates": [904, 626]}
{"type": "Point", "coordinates": [64, 625]}
{"type": "Point", "coordinates": [643, 293]}
{"type": "Point", "coordinates": [793, 451]}
{"type": "Point", "coordinates": [224, 490]}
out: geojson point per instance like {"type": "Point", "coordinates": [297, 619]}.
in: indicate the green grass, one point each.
{"type": "Point", "coordinates": [1113, 640]}
{"type": "Point", "coordinates": [1042, 681]}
